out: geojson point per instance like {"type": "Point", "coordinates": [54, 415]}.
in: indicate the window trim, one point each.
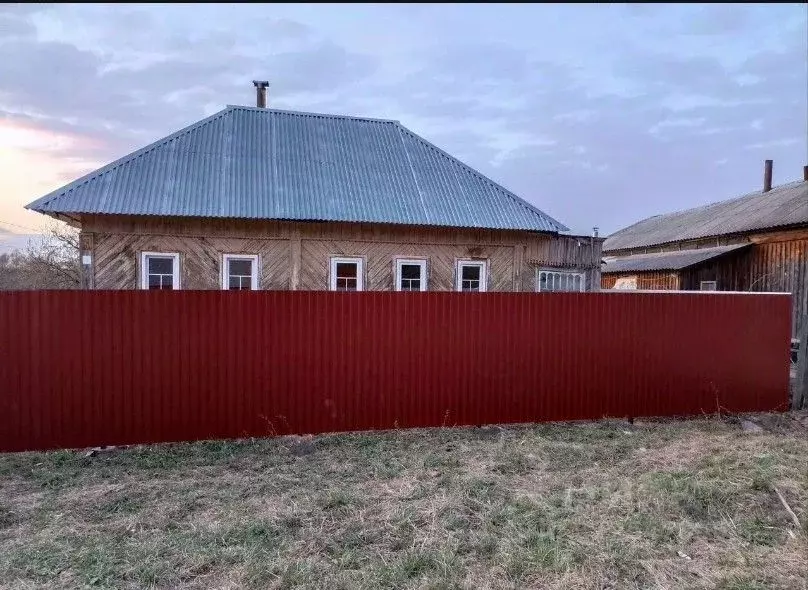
{"type": "Point", "coordinates": [580, 274]}
{"type": "Point", "coordinates": [460, 263]}
{"type": "Point", "coordinates": [714, 283]}
{"type": "Point", "coordinates": [225, 271]}
{"type": "Point", "coordinates": [175, 268]}
{"type": "Point", "coordinates": [360, 271]}
{"type": "Point", "coordinates": [399, 262]}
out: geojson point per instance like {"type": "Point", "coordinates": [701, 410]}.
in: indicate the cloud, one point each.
{"type": "Point", "coordinates": [622, 112]}
{"type": "Point", "coordinates": [718, 19]}
{"type": "Point", "coordinates": [15, 28]}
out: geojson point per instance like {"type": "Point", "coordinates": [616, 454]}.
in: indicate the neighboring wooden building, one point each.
{"type": "Point", "coordinates": [256, 198]}
{"type": "Point", "coordinates": [757, 242]}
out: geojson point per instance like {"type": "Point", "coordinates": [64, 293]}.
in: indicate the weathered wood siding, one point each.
{"type": "Point", "coordinates": [776, 261]}
{"type": "Point", "coordinates": [295, 255]}
{"type": "Point", "coordinates": [566, 253]}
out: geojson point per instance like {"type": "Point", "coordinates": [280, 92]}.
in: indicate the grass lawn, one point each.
{"type": "Point", "coordinates": [685, 504]}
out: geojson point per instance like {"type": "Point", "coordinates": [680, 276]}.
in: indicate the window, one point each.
{"type": "Point", "coordinates": [555, 281]}
{"type": "Point", "coordinates": [471, 276]}
{"type": "Point", "coordinates": [159, 271]}
{"type": "Point", "coordinates": [346, 274]}
{"type": "Point", "coordinates": [410, 275]}
{"type": "Point", "coordinates": [240, 272]}
{"type": "Point", "coordinates": [709, 286]}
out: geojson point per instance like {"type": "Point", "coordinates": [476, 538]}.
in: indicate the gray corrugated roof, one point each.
{"type": "Point", "coordinates": [664, 260]}
{"type": "Point", "coordinates": [783, 205]}
{"type": "Point", "coordinates": [256, 163]}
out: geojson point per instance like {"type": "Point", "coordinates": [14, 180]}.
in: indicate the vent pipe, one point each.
{"type": "Point", "coordinates": [767, 176]}
{"type": "Point", "coordinates": [261, 93]}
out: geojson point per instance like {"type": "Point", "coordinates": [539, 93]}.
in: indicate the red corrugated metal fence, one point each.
{"type": "Point", "coordinates": [82, 368]}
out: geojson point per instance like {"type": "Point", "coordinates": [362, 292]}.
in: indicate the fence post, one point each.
{"type": "Point", "coordinates": [800, 392]}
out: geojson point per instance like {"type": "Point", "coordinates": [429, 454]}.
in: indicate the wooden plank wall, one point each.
{"type": "Point", "coordinates": [295, 255]}
{"type": "Point", "coordinates": [653, 281]}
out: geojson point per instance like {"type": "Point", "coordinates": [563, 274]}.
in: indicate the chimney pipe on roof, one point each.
{"type": "Point", "coordinates": [261, 93]}
{"type": "Point", "coordinates": [595, 232]}
{"type": "Point", "coordinates": [805, 173]}
{"type": "Point", "coordinates": [767, 176]}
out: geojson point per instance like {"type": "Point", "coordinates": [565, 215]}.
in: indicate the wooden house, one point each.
{"type": "Point", "coordinates": [757, 242]}
{"type": "Point", "coordinates": [259, 198]}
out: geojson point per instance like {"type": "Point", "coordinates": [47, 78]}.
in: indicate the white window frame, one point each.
{"type": "Point", "coordinates": [482, 264]}
{"type": "Point", "coordinates": [175, 268]}
{"type": "Point", "coordinates": [713, 283]}
{"type": "Point", "coordinates": [227, 258]}
{"type": "Point", "coordinates": [360, 271]}
{"type": "Point", "coordinates": [560, 271]}
{"type": "Point", "coordinates": [419, 262]}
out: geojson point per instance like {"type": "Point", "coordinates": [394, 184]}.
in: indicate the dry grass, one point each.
{"type": "Point", "coordinates": [609, 505]}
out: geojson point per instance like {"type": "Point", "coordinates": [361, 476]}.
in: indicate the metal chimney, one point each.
{"type": "Point", "coordinates": [595, 232]}
{"type": "Point", "coordinates": [261, 93]}
{"type": "Point", "coordinates": [767, 176]}
{"type": "Point", "coordinates": [805, 173]}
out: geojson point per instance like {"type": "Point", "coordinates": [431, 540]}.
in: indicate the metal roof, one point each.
{"type": "Point", "coordinates": [782, 206]}
{"type": "Point", "coordinates": [664, 260]}
{"type": "Point", "coordinates": [248, 162]}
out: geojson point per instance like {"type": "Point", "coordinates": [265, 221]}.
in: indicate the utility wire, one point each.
{"type": "Point", "coordinates": [19, 226]}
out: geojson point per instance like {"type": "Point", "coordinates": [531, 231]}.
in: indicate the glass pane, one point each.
{"type": "Point", "coordinates": [346, 284]}
{"type": "Point", "coordinates": [470, 285]}
{"type": "Point", "coordinates": [346, 270]}
{"type": "Point", "coordinates": [161, 282]}
{"type": "Point", "coordinates": [410, 285]}
{"type": "Point", "coordinates": [577, 283]}
{"type": "Point", "coordinates": [542, 281]}
{"type": "Point", "coordinates": [410, 271]}
{"type": "Point", "coordinates": [160, 265]}
{"type": "Point", "coordinates": [235, 283]}
{"type": "Point", "coordinates": [471, 273]}
{"type": "Point", "coordinates": [241, 267]}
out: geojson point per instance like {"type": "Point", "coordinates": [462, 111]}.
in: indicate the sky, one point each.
{"type": "Point", "coordinates": [598, 114]}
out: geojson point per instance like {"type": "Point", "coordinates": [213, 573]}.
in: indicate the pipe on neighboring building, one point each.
{"type": "Point", "coordinates": [767, 176]}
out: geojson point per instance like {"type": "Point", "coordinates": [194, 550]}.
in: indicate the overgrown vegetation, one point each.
{"type": "Point", "coordinates": [609, 505]}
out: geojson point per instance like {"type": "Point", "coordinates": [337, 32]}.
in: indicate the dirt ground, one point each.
{"type": "Point", "coordinates": [673, 504]}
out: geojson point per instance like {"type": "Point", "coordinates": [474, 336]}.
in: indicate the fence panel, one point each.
{"type": "Point", "coordinates": [86, 368]}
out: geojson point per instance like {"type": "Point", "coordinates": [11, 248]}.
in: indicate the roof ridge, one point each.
{"type": "Point", "coordinates": [44, 200]}
{"type": "Point", "coordinates": [518, 200]}
{"type": "Point", "coordinates": [310, 114]}
{"type": "Point", "coordinates": [663, 217]}
{"type": "Point", "coordinates": [722, 201]}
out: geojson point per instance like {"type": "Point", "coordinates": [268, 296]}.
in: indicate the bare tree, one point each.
{"type": "Point", "coordinates": [51, 261]}
{"type": "Point", "coordinates": [56, 256]}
